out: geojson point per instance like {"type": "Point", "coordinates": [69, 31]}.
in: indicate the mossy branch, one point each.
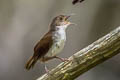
{"type": "Point", "coordinates": [87, 58]}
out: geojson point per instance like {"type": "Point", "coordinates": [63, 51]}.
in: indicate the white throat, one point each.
{"type": "Point", "coordinates": [62, 27]}
{"type": "Point", "coordinates": [60, 32]}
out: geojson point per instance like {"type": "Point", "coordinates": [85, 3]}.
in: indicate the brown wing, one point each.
{"type": "Point", "coordinates": [43, 45]}
{"type": "Point", "coordinates": [40, 50]}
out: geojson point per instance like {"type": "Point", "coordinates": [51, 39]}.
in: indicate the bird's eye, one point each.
{"type": "Point", "coordinates": [61, 18]}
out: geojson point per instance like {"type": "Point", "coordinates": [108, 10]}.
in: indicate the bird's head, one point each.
{"type": "Point", "coordinates": [60, 21]}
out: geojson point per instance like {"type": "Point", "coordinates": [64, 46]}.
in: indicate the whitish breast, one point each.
{"type": "Point", "coordinates": [59, 39]}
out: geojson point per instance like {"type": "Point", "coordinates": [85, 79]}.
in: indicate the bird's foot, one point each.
{"type": "Point", "coordinates": [62, 59]}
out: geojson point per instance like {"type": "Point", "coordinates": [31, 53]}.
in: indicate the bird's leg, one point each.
{"type": "Point", "coordinates": [46, 69]}
{"type": "Point", "coordinates": [62, 59]}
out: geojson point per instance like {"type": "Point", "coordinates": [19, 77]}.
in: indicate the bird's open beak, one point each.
{"type": "Point", "coordinates": [67, 17]}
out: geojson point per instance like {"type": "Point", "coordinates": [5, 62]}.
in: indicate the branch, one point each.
{"type": "Point", "coordinates": [87, 58]}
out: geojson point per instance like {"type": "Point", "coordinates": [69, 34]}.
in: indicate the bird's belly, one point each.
{"type": "Point", "coordinates": [56, 48]}
{"type": "Point", "coordinates": [59, 38]}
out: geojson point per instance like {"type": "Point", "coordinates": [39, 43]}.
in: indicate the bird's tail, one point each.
{"type": "Point", "coordinates": [31, 62]}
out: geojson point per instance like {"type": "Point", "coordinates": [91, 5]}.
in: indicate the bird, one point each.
{"type": "Point", "coordinates": [51, 43]}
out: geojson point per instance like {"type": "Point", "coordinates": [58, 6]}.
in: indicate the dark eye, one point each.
{"type": "Point", "coordinates": [61, 18]}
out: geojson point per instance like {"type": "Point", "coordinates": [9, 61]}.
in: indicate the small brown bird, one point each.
{"type": "Point", "coordinates": [51, 43]}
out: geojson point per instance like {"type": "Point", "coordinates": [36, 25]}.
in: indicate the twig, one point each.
{"type": "Point", "coordinates": [87, 58]}
{"type": "Point", "coordinates": [76, 1]}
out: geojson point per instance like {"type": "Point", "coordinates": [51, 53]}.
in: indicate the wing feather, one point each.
{"type": "Point", "coordinates": [43, 46]}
